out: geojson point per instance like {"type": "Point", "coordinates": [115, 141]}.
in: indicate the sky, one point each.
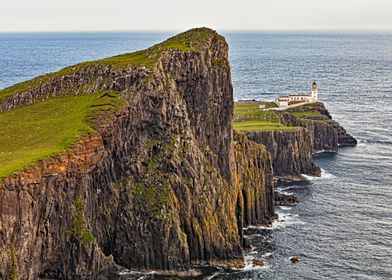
{"type": "Point", "coordinates": [160, 15]}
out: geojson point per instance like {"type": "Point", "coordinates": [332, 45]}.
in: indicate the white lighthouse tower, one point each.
{"type": "Point", "coordinates": [314, 93]}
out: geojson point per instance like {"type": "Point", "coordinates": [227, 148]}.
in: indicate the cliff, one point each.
{"type": "Point", "coordinates": [291, 151]}
{"type": "Point", "coordinates": [155, 180]}
{"type": "Point", "coordinates": [327, 135]}
{"type": "Point", "coordinates": [291, 136]}
{"type": "Point", "coordinates": [290, 146]}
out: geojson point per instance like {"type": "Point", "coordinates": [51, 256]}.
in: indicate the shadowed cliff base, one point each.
{"type": "Point", "coordinates": [157, 181]}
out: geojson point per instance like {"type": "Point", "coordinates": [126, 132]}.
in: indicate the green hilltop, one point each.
{"type": "Point", "coordinates": [192, 40]}
{"type": "Point", "coordinates": [31, 133]}
{"type": "Point", "coordinates": [249, 117]}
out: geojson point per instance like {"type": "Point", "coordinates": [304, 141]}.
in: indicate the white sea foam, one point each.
{"type": "Point", "coordinates": [143, 277]}
{"type": "Point", "coordinates": [286, 219]}
{"type": "Point", "coordinates": [284, 190]}
{"type": "Point", "coordinates": [212, 276]}
{"type": "Point", "coordinates": [284, 207]}
{"type": "Point", "coordinates": [249, 264]}
{"type": "Point", "coordinates": [258, 227]}
{"type": "Point", "coordinates": [324, 175]}
{"type": "Point", "coordinates": [281, 191]}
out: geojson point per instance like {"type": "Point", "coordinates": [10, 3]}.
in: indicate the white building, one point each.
{"type": "Point", "coordinates": [284, 101]}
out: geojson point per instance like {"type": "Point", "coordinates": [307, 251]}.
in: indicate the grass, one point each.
{"type": "Point", "coordinates": [296, 102]}
{"type": "Point", "coordinates": [31, 133]}
{"type": "Point", "coordinates": [257, 125]}
{"type": "Point", "coordinates": [251, 109]}
{"type": "Point", "coordinates": [249, 117]}
{"type": "Point", "coordinates": [79, 228]}
{"type": "Point", "coordinates": [306, 114]}
{"type": "Point", "coordinates": [247, 109]}
{"type": "Point", "coordinates": [192, 40]}
{"type": "Point", "coordinates": [269, 105]}
{"type": "Point", "coordinates": [40, 80]}
{"type": "Point", "coordinates": [13, 263]}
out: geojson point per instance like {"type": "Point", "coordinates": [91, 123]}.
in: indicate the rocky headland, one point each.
{"type": "Point", "coordinates": [160, 182]}
{"type": "Point", "coordinates": [293, 136]}
{"type": "Point", "coordinates": [151, 174]}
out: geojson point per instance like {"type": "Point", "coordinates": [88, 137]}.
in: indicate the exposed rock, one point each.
{"type": "Point", "coordinates": [294, 259]}
{"type": "Point", "coordinates": [258, 262]}
{"type": "Point", "coordinates": [284, 199]}
{"type": "Point", "coordinates": [344, 139]}
{"type": "Point", "coordinates": [163, 185]}
{"type": "Point", "coordinates": [247, 245]}
{"type": "Point", "coordinates": [326, 134]}
{"type": "Point", "coordinates": [291, 151]}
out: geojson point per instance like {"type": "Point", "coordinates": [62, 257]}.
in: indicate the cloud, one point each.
{"type": "Point", "coordinates": [79, 15]}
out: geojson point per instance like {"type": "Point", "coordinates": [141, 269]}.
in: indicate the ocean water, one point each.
{"type": "Point", "coordinates": [342, 228]}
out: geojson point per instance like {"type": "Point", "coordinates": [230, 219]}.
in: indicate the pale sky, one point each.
{"type": "Point", "coordinates": [124, 15]}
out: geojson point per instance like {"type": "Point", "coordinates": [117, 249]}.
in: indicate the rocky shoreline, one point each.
{"type": "Point", "coordinates": [285, 200]}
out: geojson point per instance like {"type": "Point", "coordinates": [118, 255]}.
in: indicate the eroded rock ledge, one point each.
{"type": "Point", "coordinates": [162, 183]}
{"type": "Point", "coordinates": [300, 133]}
{"type": "Point", "coordinates": [326, 134]}
{"type": "Point", "coordinates": [291, 151]}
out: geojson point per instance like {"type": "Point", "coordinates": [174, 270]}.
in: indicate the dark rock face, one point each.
{"type": "Point", "coordinates": [327, 135]}
{"type": "Point", "coordinates": [291, 151]}
{"type": "Point", "coordinates": [163, 185]}
{"type": "Point", "coordinates": [344, 139]}
{"type": "Point", "coordinates": [253, 174]}
{"type": "Point", "coordinates": [285, 200]}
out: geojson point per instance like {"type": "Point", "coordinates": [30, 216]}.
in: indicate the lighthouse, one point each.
{"type": "Point", "coordinates": [298, 99]}
{"type": "Point", "coordinates": [314, 93]}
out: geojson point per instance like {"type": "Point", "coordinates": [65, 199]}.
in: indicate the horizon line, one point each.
{"type": "Point", "coordinates": [266, 30]}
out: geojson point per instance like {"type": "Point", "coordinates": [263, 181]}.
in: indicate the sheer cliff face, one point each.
{"type": "Point", "coordinates": [291, 151]}
{"type": "Point", "coordinates": [326, 134]}
{"type": "Point", "coordinates": [162, 183]}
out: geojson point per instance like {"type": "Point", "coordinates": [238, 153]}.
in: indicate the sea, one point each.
{"type": "Point", "coordinates": [342, 227]}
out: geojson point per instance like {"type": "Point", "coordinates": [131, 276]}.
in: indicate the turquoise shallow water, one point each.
{"type": "Point", "coordinates": [342, 229]}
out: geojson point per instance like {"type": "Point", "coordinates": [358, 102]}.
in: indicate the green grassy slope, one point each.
{"type": "Point", "coordinates": [248, 117]}
{"type": "Point", "coordinates": [191, 40]}
{"type": "Point", "coordinates": [31, 133]}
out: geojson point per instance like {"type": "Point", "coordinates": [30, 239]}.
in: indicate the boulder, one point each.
{"type": "Point", "coordinates": [294, 259]}
{"type": "Point", "coordinates": [258, 262]}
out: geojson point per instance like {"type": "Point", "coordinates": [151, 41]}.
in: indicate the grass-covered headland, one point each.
{"type": "Point", "coordinates": [249, 117]}
{"type": "Point", "coordinates": [31, 133]}
{"type": "Point", "coordinates": [191, 40]}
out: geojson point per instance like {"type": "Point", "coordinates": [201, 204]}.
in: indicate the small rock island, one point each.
{"type": "Point", "coordinates": [132, 162]}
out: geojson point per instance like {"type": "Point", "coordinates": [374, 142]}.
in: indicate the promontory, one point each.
{"type": "Point", "coordinates": [132, 162]}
